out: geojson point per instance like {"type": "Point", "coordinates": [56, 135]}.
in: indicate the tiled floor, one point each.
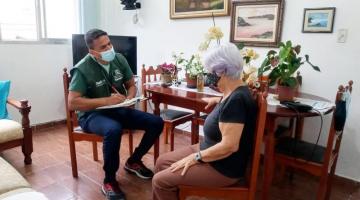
{"type": "Point", "coordinates": [50, 172]}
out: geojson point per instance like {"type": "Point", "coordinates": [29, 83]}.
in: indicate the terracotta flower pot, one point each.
{"type": "Point", "coordinates": [286, 93]}
{"type": "Point", "coordinates": [190, 82]}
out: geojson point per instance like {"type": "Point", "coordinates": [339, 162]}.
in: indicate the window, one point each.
{"type": "Point", "coordinates": [35, 20]}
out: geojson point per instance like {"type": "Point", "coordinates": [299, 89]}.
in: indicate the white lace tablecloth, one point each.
{"type": "Point", "coordinates": [321, 106]}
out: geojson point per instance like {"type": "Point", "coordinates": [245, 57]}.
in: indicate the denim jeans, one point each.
{"type": "Point", "coordinates": [109, 124]}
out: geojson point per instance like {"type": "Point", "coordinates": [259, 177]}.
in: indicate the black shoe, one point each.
{"type": "Point", "coordinates": [139, 169]}
{"type": "Point", "coordinates": [112, 191]}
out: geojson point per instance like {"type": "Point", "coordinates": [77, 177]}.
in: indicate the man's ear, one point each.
{"type": "Point", "coordinates": [96, 54]}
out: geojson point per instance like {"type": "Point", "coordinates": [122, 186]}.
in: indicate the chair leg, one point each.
{"type": "Point", "coordinates": [172, 135]}
{"type": "Point", "coordinates": [73, 158]}
{"type": "Point", "coordinates": [27, 146]}
{"type": "Point", "coordinates": [131, 148]}
{"type": "Point", "coordinates": [95, 151]}
{"type": "Point", "coordinates": [166, 136]}
{"type": "Point", "coordinates": [329, 181]}
{"type": "Point", "coordinates": [322, 187]}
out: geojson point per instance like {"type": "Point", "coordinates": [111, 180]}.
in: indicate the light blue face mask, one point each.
{"type": "Point", "coordinates": [108, 55]}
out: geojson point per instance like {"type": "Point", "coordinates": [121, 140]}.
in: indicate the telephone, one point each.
{"type": "Point", "coordinates": [300, 107]}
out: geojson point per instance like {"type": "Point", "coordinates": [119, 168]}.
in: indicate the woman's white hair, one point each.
{"type": "Point", "coordinates": [224, 59]}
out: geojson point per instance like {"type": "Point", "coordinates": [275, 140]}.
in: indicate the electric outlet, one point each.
{"type": "Point", "coordinates": [342, 35]}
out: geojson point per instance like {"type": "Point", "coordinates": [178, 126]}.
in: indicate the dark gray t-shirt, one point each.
{"type": "Point", "coordinates": [239, 107]}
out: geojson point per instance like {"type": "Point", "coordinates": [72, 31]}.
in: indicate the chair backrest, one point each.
{"type": "Point", "coordinates": [338, 122]}
{"type": "Point", "coordinates": [258, 139]}
{"type": "Point", "coordinates": [150, 74]}
{"type": "Point", "coordinates": [71, 118]}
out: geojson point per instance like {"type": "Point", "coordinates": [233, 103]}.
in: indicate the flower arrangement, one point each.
{"type": "Point", "coordinates": [214, 33]}
{"type": "Point", "coordinates": [282, 65]}
{"type": "Point", "coordinates": [168, 68]}
{"type": "Point", "coordinates": [249, 74]}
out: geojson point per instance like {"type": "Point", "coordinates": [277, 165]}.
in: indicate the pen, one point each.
{"type": "Point", "coordinates": [115, 90]}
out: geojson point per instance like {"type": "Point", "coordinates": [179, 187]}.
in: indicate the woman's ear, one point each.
{"type": "Point", "coordinates": [96, 54]}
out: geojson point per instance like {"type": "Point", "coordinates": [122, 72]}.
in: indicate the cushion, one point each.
{"type": "Point", "coordinates": [22, 194]}
{"type": "Point", "coordinates": [10, 178]}
{"type": "Point", "coordinates": [300, 149]}
{"type": "Point", "coordinates": [169, 114]}
{"type": "Point", "coordinates": [4, 92]}
{"type": "Point", "coordinates": [14, 192]}
{"type": "Point", "coordinates": [10, 130]}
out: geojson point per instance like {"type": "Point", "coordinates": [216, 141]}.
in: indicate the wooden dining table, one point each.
{"type": "Point", "coordinates": [193, 101]}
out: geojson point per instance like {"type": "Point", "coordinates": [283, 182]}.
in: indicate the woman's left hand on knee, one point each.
{"type": "Point", "coordinates": [185, 163]}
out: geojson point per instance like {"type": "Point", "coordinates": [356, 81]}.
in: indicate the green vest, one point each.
{"type": "Point", "coordinates": [98, 82]}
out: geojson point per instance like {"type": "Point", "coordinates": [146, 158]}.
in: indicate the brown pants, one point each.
{"type": "Point", "coordinates": [165, 183]}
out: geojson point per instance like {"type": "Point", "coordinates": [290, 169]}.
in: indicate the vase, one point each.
{"type": "Point", "coordinates": [286, 93]}
{"type": "Point", "coordinates": [166, 78]}
{"type": "Point", "coordinates": [190, 82]}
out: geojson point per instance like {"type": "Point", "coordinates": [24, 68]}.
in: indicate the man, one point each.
{"type": "Point", "coordinates": [103, 78]}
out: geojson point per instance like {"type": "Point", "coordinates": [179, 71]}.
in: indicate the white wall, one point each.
{"type": "Point", "coordinates": [158, 36]}
{"type": "Point", "coordinates": [35, 72]}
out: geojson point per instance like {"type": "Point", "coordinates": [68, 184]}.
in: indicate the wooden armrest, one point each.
{"type": "Point", "coordinates": [20, 105]}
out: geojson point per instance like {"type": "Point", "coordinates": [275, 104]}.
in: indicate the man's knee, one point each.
{"type": "Point", "coordinates": [113, 131]}
{"type": "Point", "coordinates": [157, 123]}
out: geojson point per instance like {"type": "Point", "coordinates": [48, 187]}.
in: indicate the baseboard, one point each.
{"type": "Point", "coordinates": [46, 125]}
{"type": "Point", "coordinates": [341, 177]}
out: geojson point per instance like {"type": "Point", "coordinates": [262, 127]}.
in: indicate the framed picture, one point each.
{"type": "Point", "coordinates": [318, 20]}
{"type": "Point", "coordinates": [257, 23]}
{"type": "Point", "coordinates": [198, 8]}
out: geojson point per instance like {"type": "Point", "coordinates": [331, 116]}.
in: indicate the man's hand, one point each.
{"type": "Point", "coordinates": [212, 101]}
{"type": "Point", "coordinates": [115, 99]}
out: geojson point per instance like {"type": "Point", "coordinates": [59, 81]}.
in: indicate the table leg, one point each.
{"type": "Point", "coordinates": [269, 156]}
{"type": "Point", "coordinates": [195, 129]}
{"type": "Point", "coordinates": [299, 127]}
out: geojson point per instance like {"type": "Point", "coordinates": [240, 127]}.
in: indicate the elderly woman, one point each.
{"type": "Point", "coordinates": [222, 157]}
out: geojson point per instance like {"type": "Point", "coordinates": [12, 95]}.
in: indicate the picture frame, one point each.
{"type": "Point", "coordinates": [180, 9]}
{"type": "Point", "coordinates": [250, 26]}
{"type": "Point", "coordinates": [318, 20]}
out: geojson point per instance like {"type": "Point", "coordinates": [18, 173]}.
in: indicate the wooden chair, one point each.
{"type": "Point", "coordinates": [244, 191]}
{"type": "Point", "coordinates": [172, 118]}
{"type": "Point", "coordinates": [18, 134]}
{"type": "Point", "coordinates": [315, 159]}
{"type": "Point", "coordinates": [77, 134]}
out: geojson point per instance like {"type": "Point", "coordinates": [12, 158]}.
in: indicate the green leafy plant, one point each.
{"type": "Point", "coordinates": [192, 66]}
{"type": "Point", "coordinates": [283, 65]}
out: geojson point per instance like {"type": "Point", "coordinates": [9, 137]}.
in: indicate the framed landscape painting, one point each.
{"type": "Point", "coordinates": [318, 20]}
{"type": "Point", "coordinates": [198, 8]}
{"type": "Point", "coordinates": [257, 23]}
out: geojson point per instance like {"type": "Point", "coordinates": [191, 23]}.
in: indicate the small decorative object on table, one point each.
{"type": "Point", "coordinates": [168, 73]}
{"type": "Point", "coordinates": [282, 66]}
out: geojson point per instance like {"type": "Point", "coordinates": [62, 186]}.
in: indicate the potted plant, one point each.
{"type": "Point", "coordinates": [168, 71]}
{"type": "Point", "coordinates": [282, 66]}
{"type": "Point", "coordinates": [193, 67]}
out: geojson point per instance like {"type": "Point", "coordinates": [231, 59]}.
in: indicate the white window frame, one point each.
{"type": "Point", "coordinates": [41, 28]}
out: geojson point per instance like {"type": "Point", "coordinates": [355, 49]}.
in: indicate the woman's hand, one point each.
{"type": "Point", "coordinates": [185, 163]}
{"type": "Point", "coordinates": [212, 101]}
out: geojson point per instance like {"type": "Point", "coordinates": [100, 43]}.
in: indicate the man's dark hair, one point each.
{"type": "Point", "coordinates": [92, 35]}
